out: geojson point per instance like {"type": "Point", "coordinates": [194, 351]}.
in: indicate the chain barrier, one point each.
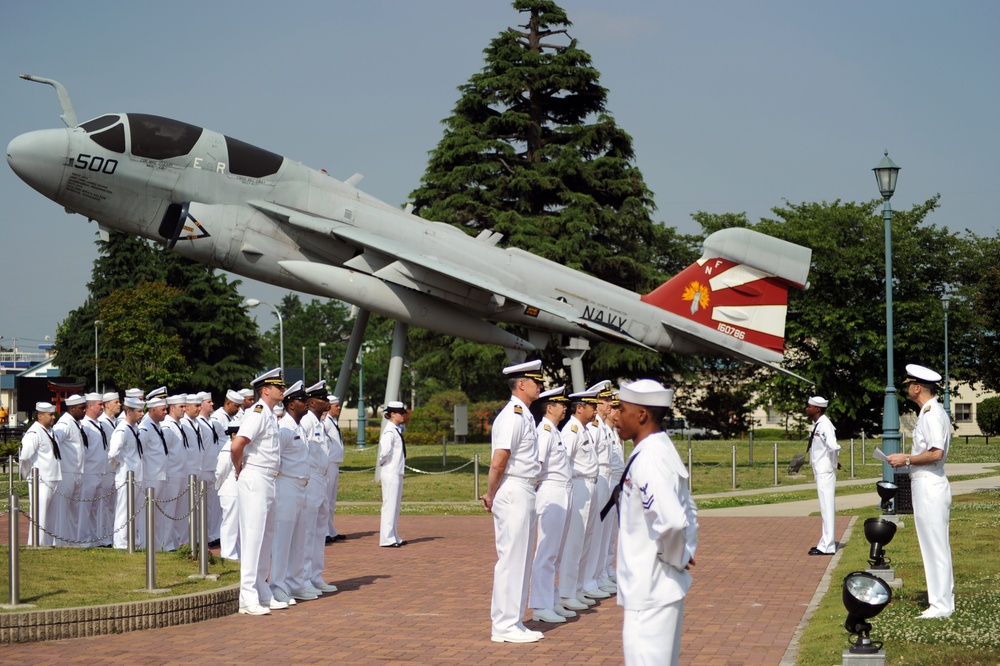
{"type": "Point", "coordinates": [357, 471]}
{"type": "Point", "coordinates": [179, 518]}
{"type": "Point", "coordinates": [109, 535]}
{"type": "Point", "coordinates": [447, 471]}
{"type": "Point", "coordinates": [113, 491]}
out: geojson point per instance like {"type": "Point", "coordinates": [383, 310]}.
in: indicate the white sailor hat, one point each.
{"type": "Point", "coordinates": [294, 392]}
{"type": "Point", "coordinates": [157, 393]}
{"type": "Point", "coordinates": [234, 396]}
{"type": "Point", "coordinates": [395, 406]}
{"type": "Point", "coordinates": [134, 403]}
{"type": "Point", "coordinates": [317, 390]}
{"type": "Point", "coordinates": [179, 399]}
{"type": "Point", "coordinates": [817, 401]}
{"type": "Point", "coordinates": [156, 402]}
{"type": "Point", "coordinates": [192, 399]}
{"type": "Point", "coordinates": [244, 394]}
{"type": "Point", "coordinates": [203, 396]}
{"type": "Point", "coordinates": [134, 393]}
{"type": "Point", "coordinates": [647, 393]}
{"type": "Point", "coordinates": [279, 409]}
{"type": "Point", "coordinates": [110, 396]}
{"type": "Point", "coordinates": [93, 397]}
{"type": "Point", "coordinates": [557, 394]}
{"type": "Point", "coordinates": [272, 377]}
{"type": "Point", "coordinates": [529, 369]}
{"type": "Point", "coordinates": [74, 400]}
{"type": "Point", "coordinates": [918, 374]}
{"type": "Point", "coordinates": [589, 396]}
{"type": "Point", "coordinates": [332, 399]}
{"type": "Point", "coordinates": [45, 408]}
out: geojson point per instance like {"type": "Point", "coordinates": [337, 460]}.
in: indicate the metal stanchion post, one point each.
{"type": "Point", "coordinates": [35, 532]}
{"type": "Point", "coordinates": [775, 463]}
{"type": "Point", "coordinates": [15, 553]}
{"type": "Point", "coordinates": [475, 475]}
{"type": "Point", "coordinates": [150, 539]}
{"type": "Point", "coordinates": [734, 467]}
{"type": "Point", "coordinates": [130, 510]}
{"type": "Point", "coordinates": [203, 525]}
{"type": "Point", "coordinates": [751, 448]}
{"type": "Point", "coordinates": [863, 462]}
{"type": "Point", "coordinates": [10, 475]}
{"type": "Point", "coordinates": [852, 457]}
{"type": "Point", "coordinates": [193, 514]}
{"type": "Point", "coordinates": [690, 466]}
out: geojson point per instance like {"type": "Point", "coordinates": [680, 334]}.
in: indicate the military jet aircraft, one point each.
{"type": "Point", "coordinates": [232, 205]}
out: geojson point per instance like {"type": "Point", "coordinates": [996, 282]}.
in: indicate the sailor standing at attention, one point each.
{"type": "Point", "coordinates": [823, 450]}
{"type": "Point", "coordinates": [392, 460]}
{"type": "Point", "coordinates": [510, 496]}
{"type": "Point", "coordinates": [255, 451]}
{"type": "Point", "coordinates": [658, 531]}
{"type": "Point", "coordinates": [39, 449]}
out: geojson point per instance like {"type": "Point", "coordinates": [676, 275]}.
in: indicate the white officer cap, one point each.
{"type": "Point", "coordinates": [557, 394]}
{"type": "Point", "coordinates": [234, 396]}
{"type": "Point", "coordinates": [918, 374]}
{"type": "Point", "coordinates": [74, 400]}
{"type": "Point", "coordinates": [45, 408]}
{"type": "Point", "coordinates": [134, 393]}
{"type": "Point", "coordinates": [589, 396]}
{"type": "Point", "coordinates": [294, 389]}
{"type": "Point", "coordinates": [156, 402]}
{"type": "Point", "coordinates": [193, 399]}
{"type": "Point", "coordinates": [244, 394]}
{"type": "Point", "coordinates": [317, 390]}
{"type": "Point", "coordinates": [134, 403]}
{"type": "Point", "coordinates": [529, 369]}
{"type": "Point", "coordinates": [110, 396]}
{"type": "Point", "coordinates": [601, 385]}
{"type": "Point", "coordinates": [272, 377]}
{"type": "Point", "coordinates": [203, 396]}
{"type": "Point", "coordinates": [93, 397]}
{"type": "Point", "coordinates": [817, 401]}
{"type": "Point", "coordinates": [157, 393]}
{"type": "Point", "coordinates": [178, 399]}
{"type": "Point", "coordinates": [647, 393]}
{"type": "Point", "coordinates": [395, 406]}
{"type": "Point", "coordinates": [332, 399]}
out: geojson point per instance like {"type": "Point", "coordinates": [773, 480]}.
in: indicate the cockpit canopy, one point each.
{"type": "Point", "coordinates": [157, 138]}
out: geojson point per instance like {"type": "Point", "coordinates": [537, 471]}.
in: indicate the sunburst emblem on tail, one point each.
{"type": "Point", "coordinates": [697, 293]}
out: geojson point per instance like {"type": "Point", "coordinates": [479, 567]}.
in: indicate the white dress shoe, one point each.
{"type": "Point", "coordinates": [930, 614]}
{"type": "Point", "coordinates": [309, 589]}
{"type": "Point", "coordinates": [585, 600]}
{"type": "Point", "coordinates": [563, 612]}
{"type": "Point", "coordinates": [610, 589]}
{"type": "Point", "coordinates": [531, 632]}
{"type": "Point", "coordinates": [256, 609]}
{"type": "Point", "coordinates": [572, 603]}
{"type": "Point", "coordinates": [324, 587]}
{"type": "Point", "coordinates": [280, 594]}
{"type": "Point", "coordinates": [517, 636]}
{"type": "Point", "coordinates": [596, 593]}
{"type": "Point", "coordinates": [546, 615]}
{"type": "Point", "coordinates": [613, 576]}
{"type": "Point", "coordinates": [278, 605]}
{"type": "Point", "coordinates": [607, 582]}
{"type": "Point", "coordinates": [304, 596]}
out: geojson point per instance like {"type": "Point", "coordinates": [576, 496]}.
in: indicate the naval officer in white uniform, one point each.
{"type": "Point", "coordinates": [658, 529]}
{"type": "Point", "coordinates": [392, 460]}
{"type": "Point", "coordinates": [930, 489]}
{"type": "Point", "coordinates": [823, 450]}
{"type": "Point", "coordinates": [510, 496]}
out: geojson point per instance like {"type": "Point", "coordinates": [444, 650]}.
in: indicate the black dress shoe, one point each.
{"type": "Point", "coordinates": [330, 539]}
{"type": "Point", "coordinates": [817, 551]}
{"type": "Point", "coordinates": [401, 543]}
{"type": "Point", "coordinates": [339, 537]}
{"type": "Point", "coordinates": [392, 545]}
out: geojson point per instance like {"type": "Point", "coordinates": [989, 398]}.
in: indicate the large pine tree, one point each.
{"type": "Point", "coordinates": [531, 151]}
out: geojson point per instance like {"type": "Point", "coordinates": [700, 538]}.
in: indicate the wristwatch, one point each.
{"type": "Point", "coordinates": [907, 461]}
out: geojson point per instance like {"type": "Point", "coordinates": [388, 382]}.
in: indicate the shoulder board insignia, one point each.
{"type": "Point", "coordinates": [926, 409]}
{"type": "Point", "coordinates": [574, 428]}
{"type": "Point", "coordinates": [548, 428]}
{"type": "Point", "coordinates": [518, 410]}
{"type": "Point", "coordinates": [258, 409]}
{"type": "Point", "coordinates": [594, 422]}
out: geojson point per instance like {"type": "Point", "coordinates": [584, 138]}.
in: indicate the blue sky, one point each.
{"type": "Point", "coordinates": [733, 106]}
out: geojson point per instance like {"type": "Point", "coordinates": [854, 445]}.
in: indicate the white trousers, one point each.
{"type": "Point", "coordinates": [552, 503]}
{"type": "Point", "coordinates": [256, 507]}
{"type": "Point", "coordinates": [229, 530]}
{"type": "Point", "coordinates": [214, 509]}
{"type": "Point", "coordinates": [826, 488]}
{"type": "Point", "coordinates": [392, 499]}
{"type": "Point", "coordinates": [653, 637]}
{"type": "Point", "coordinates": [288, 547]}
{"type": "Point", "coordinates": [49, 504]}
{"type": "Point", "coordinates": [597, 548]}
{"type": "Point", "coordinates": [106, 514]}
{"type": "Point", "coordinates": [66, 508]}
{"type": "Point", "coordinates": [171, 532]}
{"type": "Point", "coordinates": [88, 511]}
{"type": "Point", "coordinates": [158, 518]}
{"type": "Point", "coordinates": [514, 532]}
{"type": "Point", "coordinates": [332, 481]}
{"type": "Point", "coordinates": [317, 522]}
{"type": "Point", "coordinates": [122, 516]}
{"type": "Point", "coordinates": [570, 569]}
{"type": "Point", "coordinates": [932, 515]}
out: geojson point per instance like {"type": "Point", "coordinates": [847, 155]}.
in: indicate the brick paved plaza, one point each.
{"type": "Point", "coordinates": [428, 603]}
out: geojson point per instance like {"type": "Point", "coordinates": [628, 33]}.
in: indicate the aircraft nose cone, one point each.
{"type": "Point", "coordinates": [38, 158]}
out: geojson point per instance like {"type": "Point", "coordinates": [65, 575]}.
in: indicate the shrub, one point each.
{"type": "Point", "coordinates": [988, 416]}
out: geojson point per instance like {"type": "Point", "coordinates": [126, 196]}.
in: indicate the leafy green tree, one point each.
{"type": "Point", "coordinates": [988, 416]}
{"type": "Point", "coordinates": [531, 152]}
{"type": "Point", "coordinates": [717, 397]}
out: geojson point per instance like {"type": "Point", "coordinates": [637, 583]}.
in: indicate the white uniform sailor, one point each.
{"type": "Point", "coordinates": [608, 583]}
{"type": "Point", "coordinates": [171, 529]}
{"type": "Point", "coordinates": [658, 532]}
{"type": "Point", "coordinates": [930, 489]}
{"type": "Point", "coordinates": [510, 496]}
{"type": "Point", "coordinates": [332, 424]}
{"type": "Point", "coordinates": [823, 450]}
{"type": "Point", "coordinates": [106, 490]}
{"type": "Point", "coordinates": [392, 460]}
{"type": "Point", "coordinates": [552, 503]}
{"type": "Point", "coordinates": [154, 459]}
{"type": "Point", "coordinates": [125, 455]}
{"type": "Point", "coordinates": [310, 582]}
{"type": "Point", "coordinates": [255, 451]}
{"type": "Point", "coordinates": [95, 467]}
{"type": "Point", "coordinates": [70, 436]}
{"type": "Point", "coordinates": [212, 436]}
{"type": "Point", "coordinates": [592, 559]}
{"type": "Point", "coordinates": [225, 485]}
{"type": "Point", "coordinates": [40, 450]}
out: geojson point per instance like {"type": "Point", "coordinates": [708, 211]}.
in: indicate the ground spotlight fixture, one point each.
{"type": "Point", "coordinates": [887, 491]}
{"type": "Point", "coordinates": [879, 533]}
{"type": "Point", "coordinates": [865, 596]}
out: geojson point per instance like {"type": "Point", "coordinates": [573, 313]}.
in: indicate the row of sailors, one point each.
{"type": "Point", "coordinates": [85, 455]}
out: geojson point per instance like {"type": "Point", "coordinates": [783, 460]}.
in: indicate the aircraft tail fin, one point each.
{"type": "Point", "coordinates": [735, 298]}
